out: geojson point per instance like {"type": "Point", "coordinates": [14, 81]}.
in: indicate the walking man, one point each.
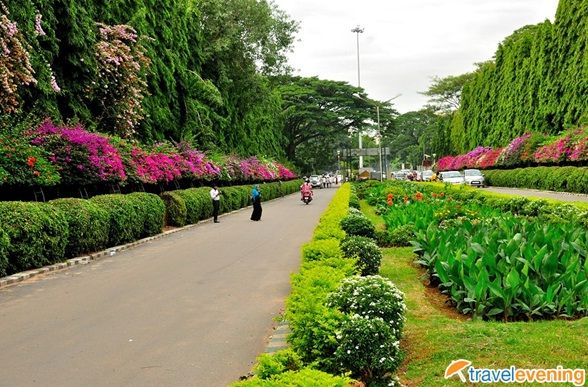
{"type": "Point", "coordinates": [215, 196]}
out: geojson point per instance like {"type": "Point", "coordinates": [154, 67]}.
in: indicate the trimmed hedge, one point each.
{"type": "Point", "coordinates": [126, 217]}
{"type": "Point", "coordinates": [152, 210]}
{"type": "Point", "coordinates": [37, 235]}
{"type": "Point", "coordinates": [176, 211]}
{"type": "Point", "coordinates": [88, 224]}
{"type": "Point", "coordinates": [567, 179]}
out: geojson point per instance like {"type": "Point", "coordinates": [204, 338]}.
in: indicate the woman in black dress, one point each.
{"type": "Point", "coordinates": [256, 197]}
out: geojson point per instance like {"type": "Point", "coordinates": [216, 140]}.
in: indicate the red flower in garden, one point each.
{"type": "Point", "coordinates": [390, 196]}
{"type": "Point", "coordinates": [418, 196]}
{"type": "Point", "coordinates": [37, 173]}
{"type": "Point", "coordinates": [434, 195]}
{"type": "Point", "coordinates": [31, 161]}
{"type": "Point", "coordinates": [390, 202]}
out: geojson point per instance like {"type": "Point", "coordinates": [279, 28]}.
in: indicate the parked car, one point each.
{"type": "Point", "coordinates": [453, 177]}
{"type": "Point", "coordinates": [427, 175]}
{"type": "Point", "coordinates": [315, 181]}
{"type": "Point", "coordinates": [474, 177]}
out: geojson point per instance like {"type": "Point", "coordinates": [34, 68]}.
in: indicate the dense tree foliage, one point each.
{"type": "Point", "coordinates": [320, 115]}
{"type": "Point", "coordinates": [205, 75]}
{"type": "Point", "coordinates": [538, 81]}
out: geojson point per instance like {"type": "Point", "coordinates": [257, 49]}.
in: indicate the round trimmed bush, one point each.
{"type": "Point", "coordinates": [366, 251]}
{"type": "Point", "coordinates": [355, 224]}
{"type": "Point", "coordinates": [88, 224]}
{"type": "Point", "coordinates": [152, 210]}
{"type": "Point", "coordinates": [175, 209]}
{"type": "Point", "coordinates": [37, 233]}
{"type": "Point", "coordinates": [126, 222]}
{"type": "Point", "coordinates": [369, 349]}
{"type": "Point", "coordinates": [198, 203]}
{"type": "Point", "coordinates": [371, 297]}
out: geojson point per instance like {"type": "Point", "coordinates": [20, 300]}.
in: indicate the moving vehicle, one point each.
{"type": "Point", "coordinates": [315, 181]}
{"type": "Point", "coordinates": [474, 177]}
{"type": "Point", "coordinates": [306, 198]}
{"type": "Point", "coordinates": [427, 175]}
{"type": "Point", "coordinates": [452, 177]}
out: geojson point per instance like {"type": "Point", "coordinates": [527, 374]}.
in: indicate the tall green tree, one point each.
{"type": "Point", "coordinates": [328, 110]}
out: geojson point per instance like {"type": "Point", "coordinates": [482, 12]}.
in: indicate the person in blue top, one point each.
{"type": "Point", "coordinates": [256, 197]}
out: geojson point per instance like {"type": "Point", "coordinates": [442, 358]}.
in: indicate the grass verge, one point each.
{"type": "Point", "coordinates": [435, 334]}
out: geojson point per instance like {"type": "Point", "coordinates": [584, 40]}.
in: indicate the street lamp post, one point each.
{"type": "Point", "coordinates": [358, 30]}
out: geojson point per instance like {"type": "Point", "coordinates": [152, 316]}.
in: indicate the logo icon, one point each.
{"type": "Point", "coordinates": [456, 367]}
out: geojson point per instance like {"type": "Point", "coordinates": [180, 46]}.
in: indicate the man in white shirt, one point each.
{"type": "Point", "coordinates": [215, 196]}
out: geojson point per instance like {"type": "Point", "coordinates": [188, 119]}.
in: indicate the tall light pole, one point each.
{"type": "Point", "coordinates": [358, 30]}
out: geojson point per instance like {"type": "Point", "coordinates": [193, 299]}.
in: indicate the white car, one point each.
{"type": "Point", "coordinates": [427, 175]}
{"type": "Point", "coordinates": [474, 177]}
{"type": "Point", "coordinates": [315, 181]}
{"type": "Point", "coordinates": [452, 177]}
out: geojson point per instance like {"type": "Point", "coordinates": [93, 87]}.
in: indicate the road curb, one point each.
{"type": "Point", "coordinates": [278, 339]}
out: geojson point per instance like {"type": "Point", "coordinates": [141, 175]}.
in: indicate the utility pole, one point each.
{"type": "Point", "coordinates": [358, 30]}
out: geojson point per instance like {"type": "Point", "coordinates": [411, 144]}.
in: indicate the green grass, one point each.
{"type": "Point", "coordinates": [368, 211]}
{"type": "Point", "coordinates": [435, 334]}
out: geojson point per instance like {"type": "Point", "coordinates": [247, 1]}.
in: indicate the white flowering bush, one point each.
{"type": "Point", "coordinates": [369, 348]}
{"type": "Point", "coordinates": [371, 297]}
{"type": "Point", "coordinates": [365, 250]}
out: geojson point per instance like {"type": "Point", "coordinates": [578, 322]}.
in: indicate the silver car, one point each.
{"type": "Point", "coordinates": [453, 177]}
{"type": "Point", "coordinates": [474, 177]}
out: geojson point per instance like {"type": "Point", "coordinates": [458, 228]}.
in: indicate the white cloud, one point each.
{"type": "Point", "coordinates": [405, 42]}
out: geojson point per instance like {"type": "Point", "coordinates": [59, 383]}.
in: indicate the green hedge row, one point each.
{"type": "Point", "coordinates": [34, 234]}
{"type": "Point", "coordinates": [567, 179]}
{"type": "Point", "coordinates": [334, 324]}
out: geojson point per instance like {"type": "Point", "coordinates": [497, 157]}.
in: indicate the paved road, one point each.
{"type": "Point", "coordinates": [563, 196]}
{"type": "Point", "coordinates": [192, 309]}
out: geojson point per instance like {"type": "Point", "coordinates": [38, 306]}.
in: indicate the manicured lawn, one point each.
{"type": "Point", "coordinates": [435, 334]}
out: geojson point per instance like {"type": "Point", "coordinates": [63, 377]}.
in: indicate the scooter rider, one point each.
{"type": "Point", "coordinates": [305, 189]}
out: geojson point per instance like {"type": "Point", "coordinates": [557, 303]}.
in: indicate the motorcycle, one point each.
{"type": "Point", "coordinates": [306, 198]}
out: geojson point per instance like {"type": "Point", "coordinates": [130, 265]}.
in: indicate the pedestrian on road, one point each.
{"type": "Point", "coordinates": [215, 196]}
{"type": "Point", "coordinates": [256, 197]}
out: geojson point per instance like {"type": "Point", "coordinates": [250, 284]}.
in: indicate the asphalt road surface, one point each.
{"type": "Point", "coordinates": [191, 309]}
{"type": "Point", "coordinates": [563, 196]}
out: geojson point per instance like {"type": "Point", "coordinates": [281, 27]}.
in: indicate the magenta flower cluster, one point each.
{"type": "Point", "coordinates": [570, 146]}
{"type": "Point", "coordinates": [82, 157]}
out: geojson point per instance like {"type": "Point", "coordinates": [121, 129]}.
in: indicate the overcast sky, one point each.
{"type": "Point", "coordinates": [405, 42]}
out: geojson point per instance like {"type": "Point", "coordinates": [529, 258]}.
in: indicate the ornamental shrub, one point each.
{"type": "Point", "coordinates": [312, 323]}
{"type": "Point", "coordinates": [354, 201]}
{"type": "Point", "coordinates": [399, 236]}
{"type": "Point", "coordinates": [126, 217]}
{"type": "Point", "coordinates": [175, 209]}
{"type": "Point", "coordinates": [369, 348]}
{"type": "Point", "coordinates": [198, 203]}
{"type": "Point", "coordinates": [304, 377]}
{"type": "Point", "coordinates": [152, 210]}
{"type": "Point", "coordinates": [269, 365]}
{"type": "Point", "coordinates": [321, 249]}
{"type": "Point", "coordinates": [371, 297]}
{"type": "Point", "coordinates": [38, 234]}
{"type": "Point", "coordinates": [365, 250]}
{"type": "Point", "coordinates": [358, 225]}
{"type": "Point", "coordinates": [88, 224]}
{"type": "Point", "coordinates": [4, 247]}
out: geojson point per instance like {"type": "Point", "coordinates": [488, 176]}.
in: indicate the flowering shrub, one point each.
{"type": "Point", "coordinates": [488, 160]}
{"type": "Point", "coordinates": [368, 348]}
{"type": "Point", "coordinates": [284, 173]}
{"type": "Point", "coordinates": [25, 164]}
{"type": "Point", "coordinates": [554, 152]}
{"type": "Point", "coordinates": [511, 154]}
{"type": "Point", "coordinates": [371, 297]}
{"type": "Point", "coordinates": [15, 65]}
{"type": "Point", "coordinates": [253, 169]}
{"type": "Point", "coordinates": [121, 86]}
{"type": "Point", "coordinates": [80, 156]}
{"type": "Point", "coordinates": [197, 163]}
